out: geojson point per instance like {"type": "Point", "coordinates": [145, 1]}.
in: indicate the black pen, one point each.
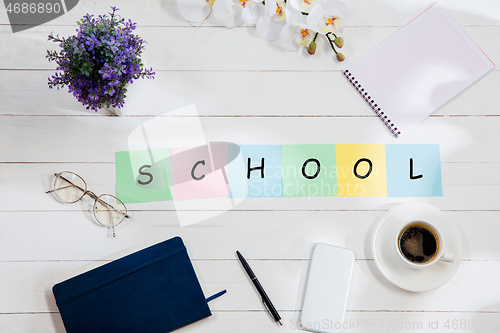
{"type": "Point", "coordinates": [265, 299]}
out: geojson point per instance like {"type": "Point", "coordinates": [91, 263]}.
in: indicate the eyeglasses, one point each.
{"type": "Point", "coordinates": [108, 210]}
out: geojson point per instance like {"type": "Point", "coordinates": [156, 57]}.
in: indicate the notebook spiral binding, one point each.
{"type": "Point", "coordinates": [390, 125]}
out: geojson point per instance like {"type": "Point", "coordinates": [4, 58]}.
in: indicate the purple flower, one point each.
{"type": "Point", "coordinates": [99, 61]}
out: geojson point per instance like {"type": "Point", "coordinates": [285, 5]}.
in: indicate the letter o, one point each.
{"type": "Point", "coordinates": [304, 168]}
{"type": "Point", "coordinates": [355, 169]}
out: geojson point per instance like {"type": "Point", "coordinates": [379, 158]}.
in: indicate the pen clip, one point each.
{"type": "Point", "coordinates": [269, 311]}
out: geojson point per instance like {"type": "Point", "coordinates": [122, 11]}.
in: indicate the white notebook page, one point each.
{"type": "Point", "coordinates": [418, 69]}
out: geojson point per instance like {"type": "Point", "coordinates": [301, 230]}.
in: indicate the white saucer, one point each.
{"type": "Point", "coordinates": [385, 254]}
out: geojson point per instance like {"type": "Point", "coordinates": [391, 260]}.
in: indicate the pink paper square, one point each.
{"type": "Point", "coordinates": [199, 172]}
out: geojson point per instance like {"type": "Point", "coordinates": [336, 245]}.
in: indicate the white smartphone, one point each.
{"type": "Point", "coordinates": [327, 289]}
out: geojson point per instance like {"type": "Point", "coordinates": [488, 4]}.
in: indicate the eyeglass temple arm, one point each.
{"type": "Point", "coordinates": [60, 188]}
{"type": "Point", "coordinates": [89, 193]}
{"type": "Point", "coordinates": [112, 225]}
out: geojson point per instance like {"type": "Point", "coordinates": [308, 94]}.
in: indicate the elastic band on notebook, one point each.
{"type": "Point", "coordinates": [367, 97]}
{"type": "Point", "coordinates": [219, 294]}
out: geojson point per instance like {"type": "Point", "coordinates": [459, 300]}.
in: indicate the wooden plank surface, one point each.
{"type": "Point", "coordinates": [209, 48]}
{"type": "Point", "coordinates": [363, 12]}
{"type": "Point", "coordinates": [245, 94]}
{"type": "Point", "coordinates": [285, 280]}
{"type": "Point", "coordinates": [287, 234]}
{"type": "Point", "coordinates": [95, 139]}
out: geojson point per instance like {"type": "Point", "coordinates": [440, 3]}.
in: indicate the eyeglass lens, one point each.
{"type": "Point", "coordinates": [109, 210]}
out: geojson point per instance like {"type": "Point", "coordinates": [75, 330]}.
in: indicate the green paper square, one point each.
{"type": "Point", "coordinates": [151, 168]}
{"type": "Point", "coordinates": [322, 183]}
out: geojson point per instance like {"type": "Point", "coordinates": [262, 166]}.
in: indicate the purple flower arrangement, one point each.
{"type": "Point", "coordinates": [99, 61]}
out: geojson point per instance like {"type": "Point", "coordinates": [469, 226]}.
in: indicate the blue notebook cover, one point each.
{"type": "Point", "coordinates": [154, 290]}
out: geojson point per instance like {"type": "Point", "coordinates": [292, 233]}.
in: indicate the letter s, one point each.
{"type": "Point", "coordinates": [145, 174]}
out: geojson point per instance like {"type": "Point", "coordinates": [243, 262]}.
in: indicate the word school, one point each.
{"type": "Point", "coordinates": [230, 170]}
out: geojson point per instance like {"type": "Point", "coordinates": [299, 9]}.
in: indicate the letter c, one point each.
{"type": "Point", "coordinates": [194, 167]}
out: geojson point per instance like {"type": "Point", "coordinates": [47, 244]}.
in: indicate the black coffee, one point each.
{"type": "Point", "coordinates": [418, 243]}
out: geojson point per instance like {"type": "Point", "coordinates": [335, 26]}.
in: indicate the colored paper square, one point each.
{"type": "Point", "coordinates": [309, 170]}
{"type": "Point", "coordinates": [143, 175]}
{"type": "Point", "coordinates": [361, 170]}
{"type": "Point", "coordinates": [260, 170]}
{"type": "Point", "coordinates": [413, 170]}
{"type": "Point", "coordinates": [200, 172]}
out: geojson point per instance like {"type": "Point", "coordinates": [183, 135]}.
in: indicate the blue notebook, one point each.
{"type": "Point", "coordinates": [154, 290]}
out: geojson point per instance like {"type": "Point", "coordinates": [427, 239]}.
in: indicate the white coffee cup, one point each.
{"type": "Point", "coordinates": [419, 245]}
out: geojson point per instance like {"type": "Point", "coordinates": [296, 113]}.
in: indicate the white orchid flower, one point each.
{"type": "Point", "coordinates": [228, 12]}
{"type": "Point", "coordinates": [232, 13]}
{"type": "Point", "coordinates": [252, 11]}
{"type": "Point", "coordinates": [195, 11]}
{"type": "Point", "coordinates": [296, 32]}
{"type": "Point", "coordinates": [328, 16]}
{"type": "Point", "coordinates": [303, 6]}
{"type": "Point", "coordinates": [269, 26]}
{"type": "Point", "coordinates": [296, 23]}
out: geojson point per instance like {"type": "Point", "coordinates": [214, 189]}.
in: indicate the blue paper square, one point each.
{"type": "Point", "coordinates": [413, 170]}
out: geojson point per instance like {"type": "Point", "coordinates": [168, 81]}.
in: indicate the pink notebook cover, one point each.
{"type": "Point", "coordinates": [418, 69]}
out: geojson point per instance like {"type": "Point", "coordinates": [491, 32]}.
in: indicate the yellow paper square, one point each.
{"type": "Point", "coordinates": [354, 177]}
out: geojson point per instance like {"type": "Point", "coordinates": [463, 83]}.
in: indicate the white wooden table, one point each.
{"type": "Point", "coordinates": [247, 91]}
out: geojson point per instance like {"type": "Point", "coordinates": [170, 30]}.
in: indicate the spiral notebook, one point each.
{"type": "Point", "coordinates": [418, 69]}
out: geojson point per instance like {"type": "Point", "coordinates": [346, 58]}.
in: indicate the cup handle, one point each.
{"type": "Point", "coordinates": [447, 257]}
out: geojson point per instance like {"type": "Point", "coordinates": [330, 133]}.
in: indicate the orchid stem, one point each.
{"type": "Point", "coordinates": [331, 43]}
